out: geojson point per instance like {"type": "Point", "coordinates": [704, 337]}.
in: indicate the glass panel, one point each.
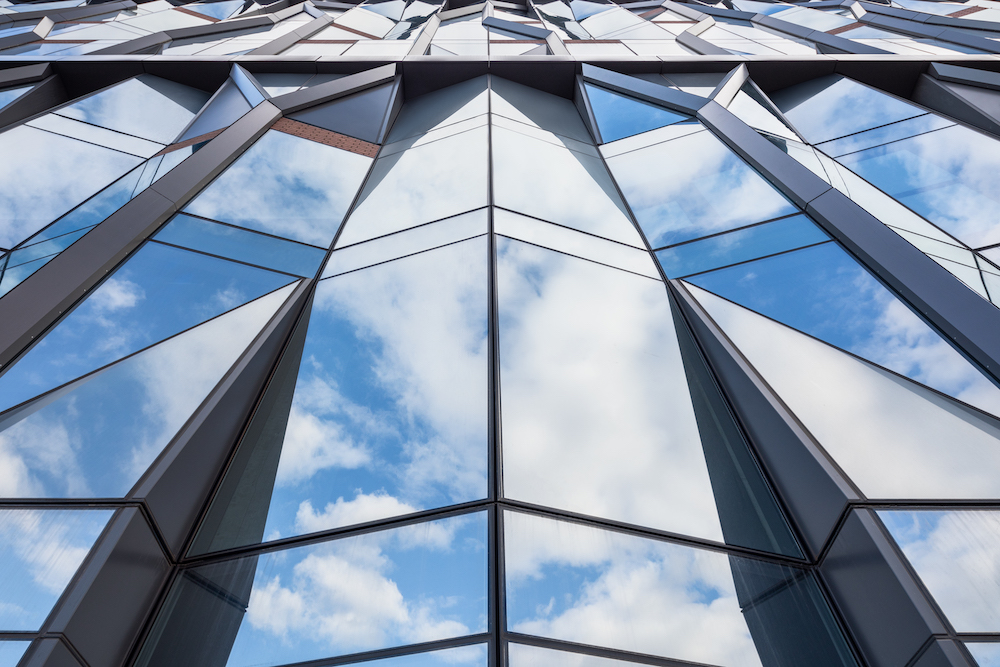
{"type": "Point", "coordinates": [360, 115]}
{"type": "Point", "coordinates": [619, 116]}
{"type": "Point", "coordinates": [943, 176]}
{"type": "Point", "coordinates": [418, 239]}
{"type": "Point", "coordinates": [570, 389]}
{"type": "Point", "coordinates": [955, 553]}
{"type": "Point", "coordinates": [883, 135]}
{"type": "Point", "coordinates": [986, 654]}
{"type": "Point", "coordinates": [429, 182]}
{"type": "Point", "coordinates": [40, 552]}
{"type": "Point", "coordinates": [403, 586]}
{"type": "Point", "coordinates": [146, 106]}
{"type": "Point", "coordinates": [586, 585]}
{"type": "Point", "coordinates": [286, 186]}
{"type": "Point", "coordinates": [244, 246]}
{"type": "Point", "coordinates": [649, 138]}
{"type": "Point", "coordinates": [558, 185]}
{"type": "Point", "coordinates": [823, 292]}
{"type": "Point", "coordinates": [227, 107]}
{"type": "Point", "coordinates": [522, 655]}
{"type": "Point", "coordinates": [894, 438]}
{"type": "Point", "coordinates": [9, 95]}
{"type": "Point", "coordinates": [159, 292]}
{"type": "Point", "coordinates": [739, 246]}
{"type": "Point", "coordinates": [95, 437]}
{"type": "Point", "coordinates": [11, 652]}
{"type": "Point", "coordinates": [832, 106]}
{"type": "Point", "coordinates": [52, 175]}
{"type": "Point", "coordinates": [534, 107]}
{"type": "Point", "coordinates": [676, 199]}
{"type": "Point", "coordinates": [573, 243]}
{"type": "Point", "coordinates": [756, 115]}
{"type": "Point", "coordinates": [441, 108]}
{"type": "Point", "coordinates": [389, 414]}
{"type": "Point", "coordinates": [96, 135]}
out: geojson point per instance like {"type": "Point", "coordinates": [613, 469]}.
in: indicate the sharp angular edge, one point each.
{"type": "Point", "coordinates": [49, 652]}
{"type": "Point", "coordinates": [965, 75]}
{"type": "Point", "coordinates": [287, 41]}
{"type": "Point", "coordinates": [528, 31]}
{"type": "Point", "coordinates": [45, 95]}
{"type": "Point", "coordinates": [934, 94]}
{"type": "Point", "coordinates": [70, 14]}
{"type": "Point", "coordinates": [39, 31]}
{"type": "Point", "coordinates": [644, 90]}
{"type": "Point", "coordinates": [16, 76]}
{"type": "Point", "coordinates": [730, 85]}
{"type": "Point", "coordinates": [582, 102]}
{"type": "Point", "coordinates": [332, 90]}
{"type": "Point", "coordinates": [690, 39]}
{"type": "Point", "coordinates": [423, 40]}
{"type": "Point", "coordinates": [395, 105]}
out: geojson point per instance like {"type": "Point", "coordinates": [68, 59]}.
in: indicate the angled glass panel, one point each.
{"type": "Point", "coordinates": [441, 108]}
{"type": "Point", "coordinates": [758, 116]}
{"type": "Point", "coordinates": [11, 652]}
{"type": "Point", "coordinates": [429, 182]}
{"type": "Point", "coordinates": [987, 654]}
{"type": "Point", "coordinates": [286, 186]}
{"type": "Point", "coordinates": [573, 242]}
{"type": "Point", "coordinates": [96, 135]}
{"type": "Point", "coordinates": [215, 10]}
{"type": "Point", "coordinates": [52, 174]}
{"type": "Point", "coordinates": [739, 246]}
{"type": "Point", "coordinates": [824, 292]}
{"type": "Point", "coordinates": [559, 185]}
{"type": "Point", "coordinates": [411, 241]}
{"type": "Point", "coordinates": [619, 116]}
{"type": "Point", "coordinates": [833, 106]}
{"type": "Point", "coordinates": [145, 106]}
{"type": "Point", "coordinates": [693, 186]}
{"type": "Point", "coordinates": [360, 115]}
{"type": "Point", "coordinates": [95, 437]}
{"type": "Point", "coordinates": [159, 292]}
{"type": "Point", "coordinates": [40, 552]}
{"type": "Point", "coordinates": [586, 585]}
{"type": "Point", "coordinates": [955, 553]}
{"type": "Point", "coordinates": [533, 107]}
{"type": "Point", "coordinates": [10, 94]}
{"type": "Point", "coordinates": [226, 107]}
{"type": "Point", "coordinates": [884, 135]}
{"type": "Point", "coordinates": [389, 411]}
{"type": "Point", "coordinates": [522, 655]}
{"type": "Point", "coordinates": [414, 584]}
{"type": "Point", "coordinates": [230, 242]}
{"type": "Point", "coordinates": [893, 437]}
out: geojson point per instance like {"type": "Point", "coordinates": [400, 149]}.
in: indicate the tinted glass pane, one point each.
{"type": "Point", "coordinates": [693, 186]}
{"type": "Point", "coordinates": [986, 654]}
{"type": "Point", "coordinates": [10, 94]}
{"type": "Point", "coordinates": [619, 116]}
{"type": "Point", "coordinates": [227, 107]}
{"type": "Point", "coordinates": [159, 292]}
{"type": "Point", "coordinates": [955, 553]}
{"type": "Point", "coordinates": [11, 652]}
{"type": "Point", "coordinates": [389, 414]}
{"type": "Point", "coordinates": [146, 106]}
{"type": "Point", "coordinates": [521, 655]}
{"type": "Point", "coordinates": [40, 551]}
{"type": "Point", "coordinates": [542, 110]}
{"type": "Point", "coordinates": [286, 186]}
{"type": "Point", "coordinates": [441, 108]}
{"type": "Point", "coordinates": [403, 586]}
{"type": "Point", "coordinates": [95, 437]}
{"type": "Point", "coordinates": [884, 134]}
{"type": "Point", "coordinates": [241, 245]}
{"type": "Point", "coordinates": [360, 115]}
{"type": "Point", "coordinates": [96, 135]}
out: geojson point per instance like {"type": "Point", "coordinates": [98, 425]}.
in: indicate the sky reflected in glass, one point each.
{"type": "Point", "coordinates": [619, 116]}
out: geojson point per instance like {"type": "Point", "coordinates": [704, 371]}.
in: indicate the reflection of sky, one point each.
{"type": "Point", "coordinates": [522, 655]}
{"type": "Point", "coordinates": [11, 652]}
{"type": "Point", "coordinates": [40, 551]}
{"type": "Point", "coordinates": [586, 585]}
{"type": "Point", "coordinates": [987, 654]}
{"type": "Point", "coordinates": [286, 186]}
{"type": "Point", "coordinates": [619, 116]}
{"type": "Point", "coordinates": [957, 556]}
{"type": "Point", "coordinates": [676, 199]}
{"type": "Point", "coordinates": [947, 176]}
{"type": "Point", "coordinates": [894, 438]}
{"type": "Point", "coordinates": [96, 438]}
{"type": "Point", "coordinates": [159, 292]}
{"type": "Point", "coordinates": [390, 407]}
{"type": "Point", "coordinates": [825, 293]}
{"type": "Point", "coordinates": [596, 413]}
{"type": "Point", "coordinates": [403, 586]}
{"type": "Point", "coordinates": [832, 106]}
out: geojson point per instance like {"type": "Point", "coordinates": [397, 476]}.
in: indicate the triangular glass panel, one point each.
{"type": "Point", "coordinates": [757, 116]}
{"type": "Point", "coordinates": [584, 8]}
{"type": "Point", "coordinates": [10, 94]}
{"type": "Point", "coordinates": [393, 381]}
{"type": "Point", "coordinates": [227, 106]}
{"type": "Point", "coordinates": [619, 116]}
{"type": "Point", "coordinates": [159, 292]}
{"type": "Point", "coordinates": [96, 436]}
{"type": "Point", "coordinates": [215, 10]}
{"type": "Point", "coordinates": [893, 437]}
{"type": "Point", "coordinates": [361, 115]}
{"type": "Point", "coordinates": [392, 9]}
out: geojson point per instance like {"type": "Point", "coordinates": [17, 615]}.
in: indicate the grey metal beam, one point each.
{"type": "Point", "coordinates": [730, 85]}
{"type": "Point", "coordinates": [644, 90]}
{"type": "Point", "coordinates": [49, 652]}
{"type": "Point", "coordinates": [70, 14]}
{"type": "Point", "coordinates": [45, 95]}
{"type": "Point", "coordinates": [964, 75]}
{"type": "Point", "coordinates": [423, 40]}
{"type": "Point", "coordinates": [332, 90]}
{"type": "Point", "coordinates": [690, 38]}
{"type": "Point", "coordinates": [18, 76]}
{"type": "Point", "coordinates": [286, 41]}
{"type": "Point", "coordinates": [973, 105]}
{"type": "Point", "coordinates": [531, 32]}
{"type": "Point", "coordinates": [39, 31]}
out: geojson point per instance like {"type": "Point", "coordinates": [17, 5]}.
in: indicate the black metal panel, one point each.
{"type": "Point", "coordinates": [425, 74]}
{"type": "Point", "coordinates": [49, 652]}
{"type": "Point", "coordinates": [45, 95]}
{"type": "Point", "coordinates": [555, 76]}
{"type": "Point", "coordinates": [943, 653]}
{"type": "Point", "coordinates": [944, 98]}
{"type": "Point", "coordinates": [332, 90]}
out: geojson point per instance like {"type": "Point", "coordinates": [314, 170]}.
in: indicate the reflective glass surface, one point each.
{"type": "Point", "coordinates": [533, 107]}
{"type": "Point", "coordinates": [389, 414]}
{"type": "Point", "coordinates": [228, 105]}
{"type": "Point", "coordinates": [824, 292]}
{"type": "Point", "coordinates": [96, 135]}
{"type": "Point", "coordinates": [403, 586]}
{"type": "Point", "coordinates": [11, 652]}
{"type": "Point", "coordinates": [40, 552]}
{"type": "Point", "coordinates": [234, 243]}
{"type": "Point", "coordinates": [893, 438]}
{"type": "Point", "coordinates": [833, 106]}
{"type": "Point", "coordinates": [440, 108]}
{"type": "Point", "coordinates": [739, 246]}
{"type": "Point", "coordinates": [54, 174]}
{"type": "Point", "coordinates": [96, 436]}
{"type": "Point", "coordinates": [159, 292]}
{"type": "Point", "coordinates": [146, 106]}
{"type": "Point", "coordinates": [693, 186]}
{"type": "Point", "coordinates": [429, 182]}
{"type": "Point", "coordinates": [986, 654]}
{"type": "Point", "coordinates": [360, 115]}
{"type": "Point", "coordinates": [619, 116]}
{"type": "Point", "coordinates": [956, 554]}
{"type": "Point", "coordinates": [590, 586]}
{"type": "Point", "coordinates": [883, 135]}
{"type": "Point", "coordinates": [522, 655]}
{"type": "Point", "coordinates": [286, 186]}
{"type": "Point", "coordinates": [10, 94]}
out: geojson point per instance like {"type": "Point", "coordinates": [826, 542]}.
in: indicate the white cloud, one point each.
{"type": "Point", "coordinates": [364, 508]}
{"type": "Point", "coordinates": [116, 294]}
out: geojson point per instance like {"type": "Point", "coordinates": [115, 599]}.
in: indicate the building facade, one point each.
{"type": "Point", "coordinates": [567, 333]}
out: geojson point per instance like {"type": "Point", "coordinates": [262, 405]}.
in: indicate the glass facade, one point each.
{"type": "Point", "coordinates": [570, 333]}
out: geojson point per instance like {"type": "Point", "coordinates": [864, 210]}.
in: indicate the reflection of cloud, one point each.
{"type": "Point", "coordinates": [637, 595]}
{"type": "Point", "coordinates": [363, 508]}
{"type": "Point", "coordinates": [957, 555]}
{"type": "Point", "coordinates": [116, 294]}
{"type": "Point", "coordinates": [34, 446]}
